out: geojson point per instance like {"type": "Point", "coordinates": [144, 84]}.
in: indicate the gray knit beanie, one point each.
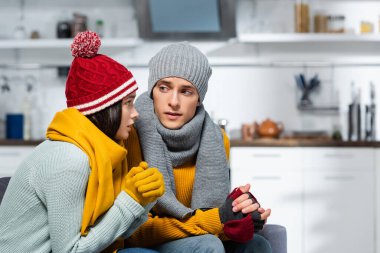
{"type": "Point", "coordinates": [180, 60]}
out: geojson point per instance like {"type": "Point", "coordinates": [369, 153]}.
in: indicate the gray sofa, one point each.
{"type": "Point", "coordinates": [3, 186]}
{"type": "Point", "coordinates": [275, 234]}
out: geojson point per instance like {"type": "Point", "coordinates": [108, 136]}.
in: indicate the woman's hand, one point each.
{"type": "Point", "coordinates": [144, 184]}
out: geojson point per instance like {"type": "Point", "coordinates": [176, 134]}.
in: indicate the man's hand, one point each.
{"type": "Point", "coordinates": [240, 226]}
{"type": "Point", "coordinates": [247, 203]}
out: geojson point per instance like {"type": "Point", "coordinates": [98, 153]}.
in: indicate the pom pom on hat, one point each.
{"type": "Point", "coordinates": [95, 81]}
{"type": "Point", "coordinates": [86, 44]}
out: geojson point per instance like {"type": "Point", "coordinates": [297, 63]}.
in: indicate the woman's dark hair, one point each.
{"type": "Point", "coordinates": [108, 120]}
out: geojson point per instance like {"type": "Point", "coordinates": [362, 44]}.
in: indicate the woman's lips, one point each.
{"type": "Point", "coordinates": [129, 127]}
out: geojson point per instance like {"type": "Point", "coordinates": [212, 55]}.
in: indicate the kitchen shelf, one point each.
{"type": "Point", "coordinates": [296, 62]}
{"type": "Point", "coordinates": [319, 109]}
{"type": "Point", "coordinates": [306, 37]}
{"type": "Point", "coordinates": [65, 43]}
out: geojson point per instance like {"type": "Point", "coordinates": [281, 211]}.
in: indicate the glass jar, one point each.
{"type": "Point", "coordinates": [320, 23]}
{"type": "Point", "coordinates": [63, 29]}
{"type": "Point", "coordinates": [79, 24]}
{"type": "Point", "coordinates": [336, 23]}
{"type": "Point", "coordinates": [366, 27]}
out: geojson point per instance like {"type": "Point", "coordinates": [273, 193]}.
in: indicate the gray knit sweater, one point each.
{"type": "Point", "coordinates": [42, 207]}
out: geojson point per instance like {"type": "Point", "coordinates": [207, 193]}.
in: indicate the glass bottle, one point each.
{"type": "Point", "coordinates": [99, 27]}
{"type": "Point", "coordinates": [302, 18]}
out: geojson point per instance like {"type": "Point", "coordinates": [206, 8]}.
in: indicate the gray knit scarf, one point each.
{"type": "Point", "coordinates": [165, 149]}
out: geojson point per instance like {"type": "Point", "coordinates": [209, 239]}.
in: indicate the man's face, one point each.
{"type": "Point", "coordinates": [175, 101]}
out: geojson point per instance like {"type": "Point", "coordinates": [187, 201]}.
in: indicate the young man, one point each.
{"type": "Point", "coordinates": [178, 137]}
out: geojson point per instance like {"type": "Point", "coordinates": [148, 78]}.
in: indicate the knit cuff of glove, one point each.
{"type": "Point", "coordinates": [240, 230]}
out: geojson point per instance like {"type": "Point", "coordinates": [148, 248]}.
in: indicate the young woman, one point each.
{"type": "Point", "coordinates": [196, 213]}
{"type": "Point", "coordinates": [74, 193]}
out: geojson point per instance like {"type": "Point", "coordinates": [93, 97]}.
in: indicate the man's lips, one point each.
{"type": "Point", "coordinates": [173, 115]}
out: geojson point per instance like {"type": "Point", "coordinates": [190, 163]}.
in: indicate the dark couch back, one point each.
{"type": "Point", "coordinates": [3, 186]}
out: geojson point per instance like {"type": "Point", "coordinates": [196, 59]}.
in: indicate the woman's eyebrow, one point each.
{"type": "Point", "coordinates": [131, 96]}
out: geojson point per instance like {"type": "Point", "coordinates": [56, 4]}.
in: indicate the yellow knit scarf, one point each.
{"type": "Point", "coordinates": [107, 161]}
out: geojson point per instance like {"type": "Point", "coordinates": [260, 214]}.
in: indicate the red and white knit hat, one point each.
{"type": "Point", "coordinates": [95, 81]}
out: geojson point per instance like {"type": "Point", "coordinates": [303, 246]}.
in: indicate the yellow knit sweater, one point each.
{"type": "Point", "coordinates": [157, 229]}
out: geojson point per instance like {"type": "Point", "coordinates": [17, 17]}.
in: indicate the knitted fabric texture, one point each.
{"type": "Point", "coordinates": [95, 81]}
{"type": "Point", "coordinates": [180, 60]}
{"type": "Point", "coordinates": [159, 229]}
{"type": "Point", "coordinates": [107, 161]}
{"type": "Point", "coordinates": [199, 139]}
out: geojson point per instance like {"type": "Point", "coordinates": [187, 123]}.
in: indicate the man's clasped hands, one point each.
{"type": "Point", "coordinates": [241, 213]}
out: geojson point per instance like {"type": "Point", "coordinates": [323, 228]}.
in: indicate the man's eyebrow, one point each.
{"type": "Point", "coordinates": [164, 82]}
{"type": "Point", "coordinates": [188, 86]}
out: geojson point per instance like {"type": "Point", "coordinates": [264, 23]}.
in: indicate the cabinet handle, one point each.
{"type": "Point", "coordinates": [266, 178]}
{"type": "Point", "coordinates": [339, 156]}
{"type": "Point", "coordinates": [339, 178]}
{"type": "Point", "coordinates": [267, 155]}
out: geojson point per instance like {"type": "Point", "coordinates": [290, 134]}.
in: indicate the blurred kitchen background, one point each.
{"type": "Point", "coordinates": [254, 72]}
{"type": "Point", "coordinates": [287, 74]}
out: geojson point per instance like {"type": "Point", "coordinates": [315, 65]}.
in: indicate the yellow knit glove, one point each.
{"type": "Point", "coordinates": [144, 184]}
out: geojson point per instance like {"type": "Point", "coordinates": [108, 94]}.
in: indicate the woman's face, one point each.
{"type": "Point", "coordinates": [128, 116]}
{"type": "Point", "coordinates": [175, 101]}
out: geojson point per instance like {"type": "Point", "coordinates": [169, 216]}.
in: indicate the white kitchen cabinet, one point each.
{"type": "Point", "coordinates": [11, 157]}
{"type": "Point", "coordinates": [339, 187]}
{"type": "Point", "coordinates": [276, 180]}
{"type": "Point", "coordinates": [325, 197]}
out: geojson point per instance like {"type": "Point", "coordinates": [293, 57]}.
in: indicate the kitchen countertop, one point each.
{"type": "Point", "coordinates": [301, 143]}
{"type": "Point", "coordinates": [4, 142]}
{"type": "Point", "coordinates": [254, 143]}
